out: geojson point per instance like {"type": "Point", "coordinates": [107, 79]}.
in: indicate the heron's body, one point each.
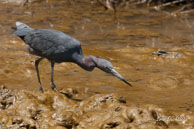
{"type": "Point", "coordinates": [53, 45]}
{"type": "Point", "coordinates": [59, 47]}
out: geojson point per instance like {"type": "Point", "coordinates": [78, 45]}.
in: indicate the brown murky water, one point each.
{"type": "Point", "coordinates": [128, 42]}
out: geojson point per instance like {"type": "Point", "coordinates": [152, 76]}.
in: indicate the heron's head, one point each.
{"type": "Point", "coordinates": [107, 67]}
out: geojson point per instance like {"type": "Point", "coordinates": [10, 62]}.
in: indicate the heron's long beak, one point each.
{"type": "Point", "coordinates": [116, 74]}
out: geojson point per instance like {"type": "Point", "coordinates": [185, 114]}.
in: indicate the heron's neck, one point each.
{"type": "Point", "coordinates": [87, 63]}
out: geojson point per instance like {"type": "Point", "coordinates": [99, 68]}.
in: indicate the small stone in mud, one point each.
{"type": "Point", "coordinates": [167, 54]}
{"type": "Point", "coordinates": [160, 53]}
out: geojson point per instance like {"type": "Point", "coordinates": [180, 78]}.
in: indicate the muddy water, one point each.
{"type": "Point", "coordinates": [128, 42]}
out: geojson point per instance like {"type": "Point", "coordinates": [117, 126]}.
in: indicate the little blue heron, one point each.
{"type": "Point", "coordinates": [59, 47]}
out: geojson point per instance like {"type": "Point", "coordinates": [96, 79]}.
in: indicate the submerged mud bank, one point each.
{"type": "Point", "coordinates": [24, 109]}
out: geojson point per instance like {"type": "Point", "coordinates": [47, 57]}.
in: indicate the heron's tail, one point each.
{"type": "Point", "coordinates": [20, 25]}
{"type": "Point", "coordinates": [21, 29]}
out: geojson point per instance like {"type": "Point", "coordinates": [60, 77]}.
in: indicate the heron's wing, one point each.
{"type": "Point", "coordinates": [51, 42]}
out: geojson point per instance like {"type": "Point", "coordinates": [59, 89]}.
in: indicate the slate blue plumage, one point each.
{"type": "Point", "coordinates": [59, 47]}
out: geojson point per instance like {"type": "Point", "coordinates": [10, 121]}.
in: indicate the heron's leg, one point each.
{"type": "Point", "coordinates": [37, 71]}
{"type": "Point", "coordinates": [52, 80]}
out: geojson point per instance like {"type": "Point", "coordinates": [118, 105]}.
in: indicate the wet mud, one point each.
{"type": "Point", "coordinates": [152, 50]}
{"type": "Point", "coordinates": [30, 110]}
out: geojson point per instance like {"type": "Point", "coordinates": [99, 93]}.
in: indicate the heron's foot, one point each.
{"type": "Point", "coordinates": [41, 90]}
{"type": "Point", "coordinates": [54, 87]}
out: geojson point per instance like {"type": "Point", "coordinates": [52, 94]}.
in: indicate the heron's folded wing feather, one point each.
{"type": "Point", "coordinates": [50, 42]}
